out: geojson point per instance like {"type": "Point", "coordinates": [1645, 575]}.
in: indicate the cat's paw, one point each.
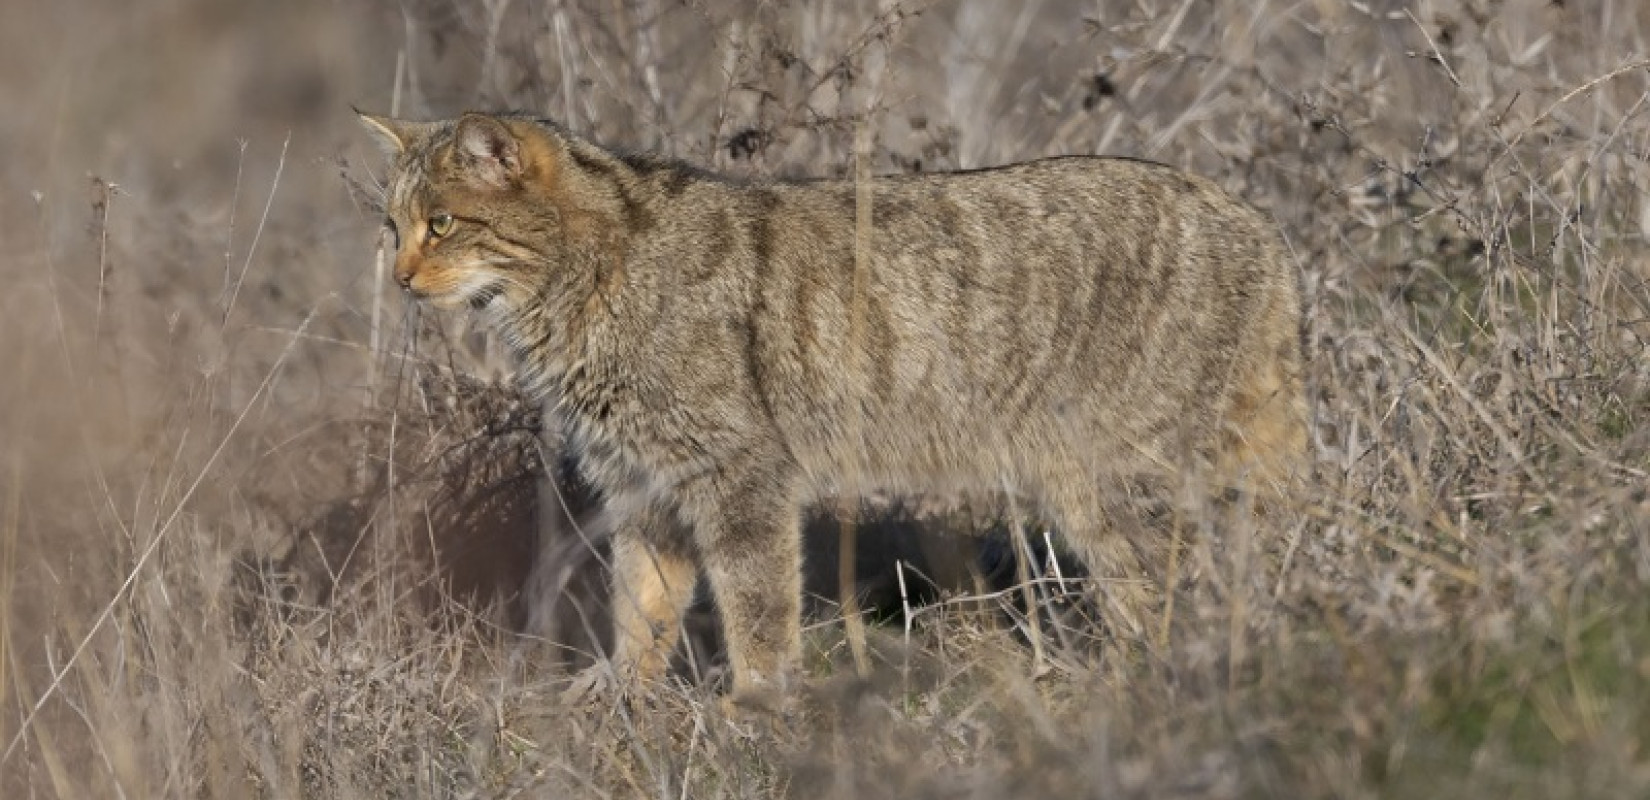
{"type": "Point", "coordinates": [756, 711]}
{"type": "Point", "coordinates": [594, 684]}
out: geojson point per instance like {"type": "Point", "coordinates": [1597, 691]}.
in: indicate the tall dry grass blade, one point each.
{"type": "Point", "coordinates": [1171, 582]}
{"type": "Point", "coordinates": [380, 264]}
{"type": "Point", "coordinates": [1024, 558]}
{"type": "Point", "coordinates": [9, 536]}
{"type": "Point", "coordinates": [252, 249]}
{"type": "Point", "coordinates": [229, 233]}
{"type": "Point", "coordinates": [1568, 96]}
{"type": "Point", "coordinates": [103, 201]}
{"type": "Point", "coordinates": [847, 583]}
{"type": "Point", "coordinates": [46, 748]}
{"type": "Point", "coordinates": [154, 544]}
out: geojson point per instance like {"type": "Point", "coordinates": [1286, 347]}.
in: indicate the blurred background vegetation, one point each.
{"type": "Point", "coordinates": [266, 531]}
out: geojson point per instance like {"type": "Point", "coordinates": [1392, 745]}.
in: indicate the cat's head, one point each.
{"type": "Point", "coordinates": [473, 207]}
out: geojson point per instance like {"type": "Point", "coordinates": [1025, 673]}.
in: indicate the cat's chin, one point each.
{"type": "Point", "coordinates": [444, 302]}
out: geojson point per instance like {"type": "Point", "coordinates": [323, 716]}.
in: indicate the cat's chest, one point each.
{"type": "Point", "coordinates": [623, 420]}
{"type": "Point", "coordinates": [601, 457]}
{"type": "Point", "coordinates": [614, 428]}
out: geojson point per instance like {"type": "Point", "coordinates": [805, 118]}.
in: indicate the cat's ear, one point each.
{"type": "Point", "coordinates": [394, 136]}
{"type": "Point", "coordinates": [486, 152]}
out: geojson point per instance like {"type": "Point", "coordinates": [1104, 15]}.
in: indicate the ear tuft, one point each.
{"type": "Point", "coordinates": [393, 135]}
{"type": "Point", "coordinates": [487, 151]}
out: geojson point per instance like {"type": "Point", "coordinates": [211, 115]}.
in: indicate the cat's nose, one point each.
{"type": "Point", "coordinates": [404, 276]}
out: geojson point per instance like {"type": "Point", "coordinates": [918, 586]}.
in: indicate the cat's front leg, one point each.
{"type": "Point", "coordinates": [652, 583]}
{"type": "Point", "coordinates": [746, 524]}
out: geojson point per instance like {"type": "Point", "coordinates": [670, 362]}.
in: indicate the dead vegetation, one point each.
{"type": "Point", "coordinates": [266, 533]}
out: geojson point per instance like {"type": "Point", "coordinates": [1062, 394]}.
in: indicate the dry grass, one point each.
{"type": "Point", "coordinates": [263, 530]}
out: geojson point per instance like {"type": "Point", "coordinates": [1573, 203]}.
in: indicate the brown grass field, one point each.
{"type": "Point", "coordinates": [264, 527]}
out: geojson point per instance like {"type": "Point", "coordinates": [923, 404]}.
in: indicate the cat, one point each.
{"type": "Point", "coordinates": [722, 351]}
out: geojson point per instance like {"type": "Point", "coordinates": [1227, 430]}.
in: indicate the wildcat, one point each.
{"type": "Point", "coordinates": [720, 352]}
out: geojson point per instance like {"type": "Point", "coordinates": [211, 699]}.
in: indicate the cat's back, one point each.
{"type": "Point", "coordinates": [1087, 296]}
{"type": "Point", "coordinates": [1079, 212]}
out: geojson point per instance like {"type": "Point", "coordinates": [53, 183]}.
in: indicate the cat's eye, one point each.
{"type": "Point", "coordinates": [441, 225]}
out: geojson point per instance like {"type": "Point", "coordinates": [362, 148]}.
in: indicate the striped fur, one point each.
{"type": "Point", "coordinates": [1058, 328]}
